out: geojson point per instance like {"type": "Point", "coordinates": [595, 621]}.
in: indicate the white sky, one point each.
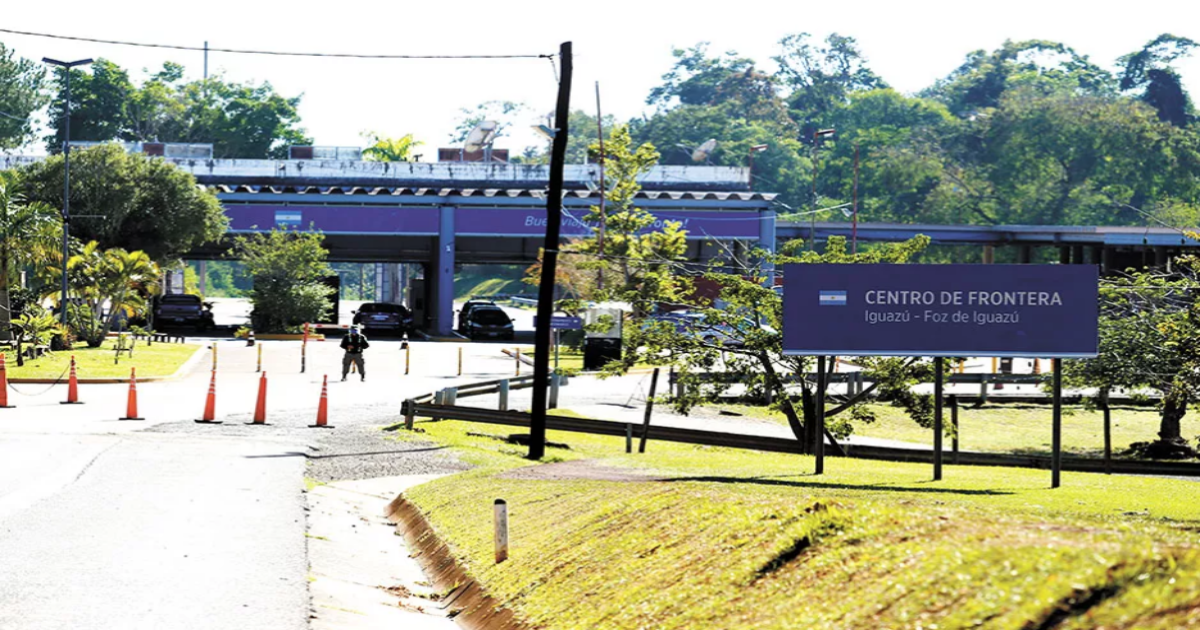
{"type": "Point", "coordinates": [624, 45]}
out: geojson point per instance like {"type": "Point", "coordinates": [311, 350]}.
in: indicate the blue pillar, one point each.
{"type": "Point", "coordinates": [444, 296]}
{"type": "Point", "coordinates": [766, 241]}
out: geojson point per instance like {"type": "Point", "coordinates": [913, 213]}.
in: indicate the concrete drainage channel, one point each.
{"type": "Point", "coordinates": [361, 576]}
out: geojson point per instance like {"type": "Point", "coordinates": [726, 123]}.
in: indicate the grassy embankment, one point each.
{"type": "Point", "coordinates": [1011, 428]}
{"type": "Point", "coordinates": [735, 539]}
{"type": "Point", "coordinates": [485, 280]}
{"type": "Point", "coordinates": [159, 359]}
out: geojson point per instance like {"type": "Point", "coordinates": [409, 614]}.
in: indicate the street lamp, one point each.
{"type": "Point", "coordinates": [817, 135]}
{"type": "Point", "coordinates": [758, 148]}
{"type": "Point", "coordinates": [66, 212]}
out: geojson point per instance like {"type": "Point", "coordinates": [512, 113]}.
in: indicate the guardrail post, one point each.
{"type": "Point", "coordinates": [649, 410]}
{"type": "Point", "coordinates": [450, 396]}
{"type": "Point", "coordinates": [983, 383]}
{"type": "Point", "coordinates": [553, 402]}
{"type": "Point", "coordinates": [409, 413]}
{"type": "Point", "coordinates": [439, 396]}
{"type": "Point", "coordinates": [954, 427]}
{"type": "Point", "coordinates": [628, 437]}
{"type": "Point", "coordinates": [501, 530]}
{"type": "Point", "coordinates": [503, 388]}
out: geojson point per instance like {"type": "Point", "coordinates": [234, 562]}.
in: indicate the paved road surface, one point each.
{"type": "Point", "coordinates": [169, 524]}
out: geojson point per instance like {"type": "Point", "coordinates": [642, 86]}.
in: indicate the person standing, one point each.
{"type": "Point", "coordinates": [354, 344]}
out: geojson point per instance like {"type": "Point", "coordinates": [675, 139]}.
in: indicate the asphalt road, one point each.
{"type": "Point", "coordinates": [166, 523]}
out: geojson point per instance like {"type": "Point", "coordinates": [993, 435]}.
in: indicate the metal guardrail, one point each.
{"type": "Point", "coordinates": [412, 408]}
{"type": "Point", "coordinates": [849, 377]}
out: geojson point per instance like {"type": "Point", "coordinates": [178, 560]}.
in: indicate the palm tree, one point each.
{"type": "Point", "coordinates": [101, 278]}
{"type": "Point", "coordinates": [390, 149]}
{"type": "Point", "coordinates": [30, 234]}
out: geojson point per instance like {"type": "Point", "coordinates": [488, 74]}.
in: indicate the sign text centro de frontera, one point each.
{"type": "Point", "coordinates": [941, 310]}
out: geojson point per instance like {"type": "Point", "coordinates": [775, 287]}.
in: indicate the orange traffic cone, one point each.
{"type": "Point", "coordinates": [72, 387]}
{"type": "Point", "coordinates": [260, 409]}
{"type": "Point", "coordinates": [131, 406]}
{"type": "Point", "coordinates": [323, 407]}
{"type": "Point", "coordinates": [210, 405]}
{"type": "Point", "coordinates": [4, 385]}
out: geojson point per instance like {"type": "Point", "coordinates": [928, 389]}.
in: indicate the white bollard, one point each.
{"type": "Point", "coordinates": [501, 525]}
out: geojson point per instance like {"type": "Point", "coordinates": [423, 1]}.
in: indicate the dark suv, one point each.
{"type": "Point", "coordinates": [181, 309]}
{"type": "Point", "coordinates": [464, 314]}
{"type": "Point", "coordinates": [485, 321]}
{"type": "Point", "coordinates": [384, 316]}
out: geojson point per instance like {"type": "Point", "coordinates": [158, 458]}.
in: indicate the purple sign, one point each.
{"type": "Point", "coordinates": [941, 310]}
{"type": "Point", "coordinates": [511, 222]}
{"type": "Point", "coordinates": [334, 219]}
{"type": "Point", "coordinates": [532, 222]}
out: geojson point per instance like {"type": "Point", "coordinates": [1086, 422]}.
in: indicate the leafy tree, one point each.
{"type": "Point", "coordinates": [820, 79]}
{"type": "Point", "coordinates": [583, 132]}
{"type": "Point", "coordinates": [287, 268]}
{"type": "Point", "coordinates": [1045, 66]}
{"type": "Point", "coordinates": [503, 112]}
{"type": "Point", "coordinates": [21, 95]}
{"type": "Point", "coordinates": [131, 201]}
{"type": "Point", "coordinates": [696, 78]}
{"type": "Point", "coordinates": [99, 102]}
{"type": "Point", "coordinates": [1149, 70]}
{"type": "Point", "coordinates": [113, 279]}
{"type": "Point", "coordinates": [240, 120]}
{"type": "Point", "coordinates": [1150, 339]}
{"type": "Point", "coordinates": [384, 149]}
{"type": "Point", "coordinates": [29, 234]}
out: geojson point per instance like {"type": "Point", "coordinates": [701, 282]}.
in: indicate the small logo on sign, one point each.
{"type": "Point", "coordinates": [832, 298]}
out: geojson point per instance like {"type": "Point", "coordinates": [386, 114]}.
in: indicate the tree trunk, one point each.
{"type": "Point", "coordinates": [1170, 428]}
{"type": "Point", "coordinates": [1170, 443]}
{"type": "Point", "coordinates": [776, 385]}
{"type": "Point", "coordinates": [5, 310]}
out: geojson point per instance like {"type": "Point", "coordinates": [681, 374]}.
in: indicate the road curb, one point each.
{"type": "Point", "coordinates": [200, 352]}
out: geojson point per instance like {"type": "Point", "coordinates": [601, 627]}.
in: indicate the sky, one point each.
{"type": "Point", "coordinates": [622, 45]}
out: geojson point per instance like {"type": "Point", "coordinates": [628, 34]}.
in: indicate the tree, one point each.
{"type": "Point", "coordinates": [107, 283]}
{"type": "Point", "coordinates": [131, 201]}
{"type": "Point", "coordinates": [240, 120]}
{"type": "Point", "coordinates": [1149, 70]}
{"type": "Point", "coordinates": [821, 79]}
{"type": "Point", "coordinates": [696, 78]}
{"type": "Point", "coordinates": [384, 149]}
{"type": "Point", "coordinates": [30, 234]}
{"type": "Point", "coordinates": [287, 268]}
{"type": "Point", "coordinates": [1150, 339]}
{"type": "Point", "coordinates": [21, 95]}
{"type": "Point", "coordinates": [502, 112]}
{"type": "Point", "coordinates": [1044, 66]}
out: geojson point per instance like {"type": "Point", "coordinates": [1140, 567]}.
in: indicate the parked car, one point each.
{"type": "Point", "coordinates": [384, 316]}
{"type": "Point", "coordinates": [692, 323]}
{"type": "Point", "coordinates": [485, 321]}
{"type": "Point", "coordinates": [182, 309]}
{"type": "Point", "coordinates": [464, 313]}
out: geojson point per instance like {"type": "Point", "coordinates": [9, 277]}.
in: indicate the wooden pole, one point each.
{"type": "Point", "coordinates": [407, 357]}
{"type": "Point", "coordinates": [937, 417]}
{"type": "Point", "coordinates": [954, 427]}
{"type": "Point", "coordinates": [258, 367]}
{"type": "Point", "coordinates": [649, 410]}
{"type": "Point", "coordinates": [1107, 431]}
{"type": "Point", "coordinates": [1056, 437]}
{"type": "Point", "coordinates": [545, 307]}
{"type": "Point", "coordinates": [460, 360]}
{"type": "Point", "coordinates": [819, 434]}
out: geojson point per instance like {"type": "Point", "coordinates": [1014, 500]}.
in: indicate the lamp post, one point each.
{"type": "Point", "coordinates": [66, 211]}
{"type": "Point", "coordinates": [758, 148]}
{"type": "Point", "coordinates": [817, 135]}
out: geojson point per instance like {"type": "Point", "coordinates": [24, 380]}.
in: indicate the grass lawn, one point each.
{"type": "Point", "coordinates": [737, 539]}
{"type": "Point", "coordinates": [571, 361]}
{"type": "Point", "coordinates": [160, 359]}
{"type": "Point", "coordinates": [1013, 427]}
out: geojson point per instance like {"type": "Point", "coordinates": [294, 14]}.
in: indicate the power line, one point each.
{"type": "Point", "coordinates": [268, 52]}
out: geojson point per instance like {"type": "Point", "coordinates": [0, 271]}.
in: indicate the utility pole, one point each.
{"type": "Point", "coordinates": [206, 60]}
{"type": "Point", "coordinates": [603, 213]}
{"type": "Point", "coordinates": [545, 307]}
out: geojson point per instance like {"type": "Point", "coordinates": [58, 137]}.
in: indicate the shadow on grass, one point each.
{"type": "Point", "coordinates": [767, 481]}
{"type": "Point", "coordinates": [308, 456]}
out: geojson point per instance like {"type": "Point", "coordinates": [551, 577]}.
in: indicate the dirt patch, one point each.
{"type": "Point", "coordinates": [580, 469]}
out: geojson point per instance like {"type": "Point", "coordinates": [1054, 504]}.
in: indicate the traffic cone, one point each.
{"type": "Point", "coordinates": [131, 405]}
{"type": "Point", "coordinates": [4, 385]}
{"type": "Point", "coordinates": [72, 387]}
{"type": "Point", "coordinates": [210, 405]}
{"type": "Point", "coordinates": [260, 409]}
{"type": "Point", "coordinates": [323, 407]}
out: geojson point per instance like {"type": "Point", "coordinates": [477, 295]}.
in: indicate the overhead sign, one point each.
{"type": "Point", "coordinates": [941, 310]}
{"type": "Point", "coordinates": [562, 322]}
